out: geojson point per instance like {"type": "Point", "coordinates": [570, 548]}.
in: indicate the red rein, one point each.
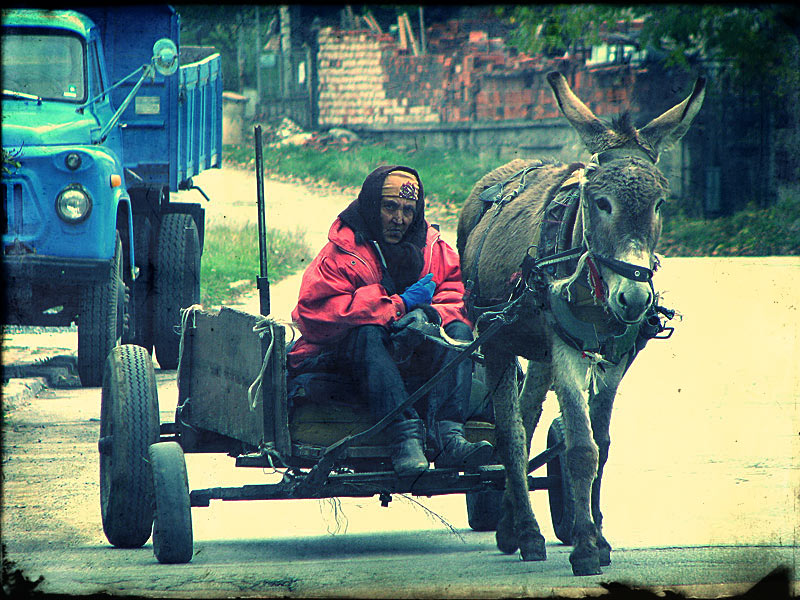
{"type": "Point", "coordinates": [596, 281]}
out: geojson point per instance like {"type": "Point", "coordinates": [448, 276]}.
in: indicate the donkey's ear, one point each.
{"type": "Point", "coordinates": [592, 131]}
{"type": "Point", "coordinates": [663, 131]}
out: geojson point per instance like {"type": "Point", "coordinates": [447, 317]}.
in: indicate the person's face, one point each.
{"type": "Point", "coordinates": [396, 217]}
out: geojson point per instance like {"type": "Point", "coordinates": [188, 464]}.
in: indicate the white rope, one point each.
{"type": "Point", "coordinates": [453, 341]}
{"type": "Point", "coordinates": [254, 391]}
{"type": "Point", "coordinates": [594, 370]}
{"type": "Point", "coordinates": [185, 313]}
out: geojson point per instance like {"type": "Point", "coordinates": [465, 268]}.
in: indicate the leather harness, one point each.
{"type": "Point", "coordinates": [556, 258]}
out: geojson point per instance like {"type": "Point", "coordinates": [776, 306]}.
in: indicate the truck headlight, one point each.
{"type": "Point", "coordinates": [73, 204]}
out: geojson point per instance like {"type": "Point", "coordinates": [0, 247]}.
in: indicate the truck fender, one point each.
{"type": "Point", "coordinates": [125, 216]}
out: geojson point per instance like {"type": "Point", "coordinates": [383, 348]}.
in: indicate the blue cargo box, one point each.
{"type": "Point", "coordinates": [173, 129]}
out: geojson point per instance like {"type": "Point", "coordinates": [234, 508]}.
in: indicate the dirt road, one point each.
{"type": "Point", "coordinates": [701, 487]}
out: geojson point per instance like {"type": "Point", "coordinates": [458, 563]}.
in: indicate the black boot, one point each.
{"type": "Point", "coordinates": [455, 451]}
{"type": "Point", "coordinates": [408, 458]}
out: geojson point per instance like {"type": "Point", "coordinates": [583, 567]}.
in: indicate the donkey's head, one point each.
{"type": "Point", "coordinates": [622, 193]}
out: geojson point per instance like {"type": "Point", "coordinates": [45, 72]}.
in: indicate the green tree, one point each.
{"type": "Point", "coordinates": [757, 44]}
{"type": "Point", "coordinates": [230, 28]}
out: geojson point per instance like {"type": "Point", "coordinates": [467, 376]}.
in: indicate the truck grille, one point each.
{"type": "Point", "coordinates": [13, 217]}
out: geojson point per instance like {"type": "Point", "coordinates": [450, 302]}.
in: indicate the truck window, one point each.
{"type": "Point", "coordinates": [51, 66]}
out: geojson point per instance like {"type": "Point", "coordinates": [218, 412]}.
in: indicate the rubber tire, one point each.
{"type": "Point", "coordinates": [141, 307]}
{"type": "Point", "coordinates": [100, 320]}
{"type": "Point", "coordinates": [484, 509]}
{"type": "Point", "coordinates": [559, 490]}
{"type": "Point", "coordinates": [129, 415]}
{"type": "Point", "coordinates": [172, 530]}
{"type": "Point", "coordinates": [177, 282]}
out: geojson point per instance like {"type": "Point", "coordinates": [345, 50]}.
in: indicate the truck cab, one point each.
{"type": "Point", "coordinates": [90, 156]}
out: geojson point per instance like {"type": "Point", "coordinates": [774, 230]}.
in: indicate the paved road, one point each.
{"type": "Point", "coordinates": [701, 489]}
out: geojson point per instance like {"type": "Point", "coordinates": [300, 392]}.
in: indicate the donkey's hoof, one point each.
{"type": "Point", "coordinates": [533, 548]}
{"type": "Point", "coordinates": [585, 565]}
{"type": "Point", "coordinates": [603, 551]}
{"type": "Point", "coordinates": [506, 542]}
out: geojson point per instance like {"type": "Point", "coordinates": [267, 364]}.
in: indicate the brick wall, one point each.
{"type": "Point", "coordinates": [359, 84]}
{"type": "Point", "coordinates": [366, 79]}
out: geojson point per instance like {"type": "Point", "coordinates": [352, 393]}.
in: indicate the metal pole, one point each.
{"type": "Point", "coordinates": [259, 51]}
{"type": "Point", "coordinates": [263, 279]}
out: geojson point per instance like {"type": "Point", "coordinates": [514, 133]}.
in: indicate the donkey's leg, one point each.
{"type": "Point", "coordinates": [600, 405]}
{"type": "Point", "coordinates": [581, 454]}
{"type": "Point", "coordinates": [538, 379]}
{"type": "Point", "coordinates": [517, 527]}
{"type": "Point", "coordinates": [600, 413]}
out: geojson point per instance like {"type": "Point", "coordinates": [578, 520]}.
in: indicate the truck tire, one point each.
{"type": "Point", "coordinates": [559, 488]}
{"type": "Point", "coordinates": [100, 321]}
{"type": "Point", "coordinates": [484, 509]}
{"type": "Point", "coordinates": [172, 529]}
{"type": "Point", "coordinates": [177, 282]}
{"type": "Point", "coordinates": [129, 423]}
{"type": "Point", "coordinates": [141, 305]}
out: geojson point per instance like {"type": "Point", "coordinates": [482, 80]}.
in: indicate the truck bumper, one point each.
{"type": "Point", "coordinates": [30, 269]}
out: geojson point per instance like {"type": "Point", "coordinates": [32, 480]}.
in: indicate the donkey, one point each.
{"type": "Point", "coordinates": [582, 321]}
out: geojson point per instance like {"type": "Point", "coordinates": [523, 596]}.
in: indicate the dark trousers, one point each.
{"type": "Point", "coordinates": [366, 356]}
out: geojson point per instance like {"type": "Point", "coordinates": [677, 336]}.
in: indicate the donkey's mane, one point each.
{"type": "Point", "coordinates": [623, 127]}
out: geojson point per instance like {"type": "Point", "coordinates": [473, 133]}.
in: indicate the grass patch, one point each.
{"type": "Point", "coordinates": [773, 231]}
{"type": "Point", "coordinates": [230, 262]}
{"type": "Point", "coordinates": [448, 177]}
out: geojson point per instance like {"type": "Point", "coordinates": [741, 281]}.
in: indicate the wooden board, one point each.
{"type": "Point", "coordinates": [224, 358]}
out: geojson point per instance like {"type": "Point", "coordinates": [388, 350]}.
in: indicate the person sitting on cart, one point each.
{"type": "Point", "coordinates": [384, 268]}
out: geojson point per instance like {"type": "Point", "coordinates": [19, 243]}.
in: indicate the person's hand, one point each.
{"type": "Point", "coordinates": [415, 316]}
{"type": "Point", "coordinates": [420, 292]}
{"type": "Point", "coordinates": [405, 338]}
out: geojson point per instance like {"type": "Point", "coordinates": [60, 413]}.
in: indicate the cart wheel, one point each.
{"type": "Point", "coordinates": [562, 502]}
{"type": "Point", "coordinates": [177, 282]}
{"type": "Point", "coordinates": [129, 423]}
{"type": "Point", "coordinates": [484, 509]}
{"type": "Point", "coordinates": [172, 531]}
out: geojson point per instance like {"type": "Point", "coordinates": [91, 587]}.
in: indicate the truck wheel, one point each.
{"type": "Point", "coordinates": [129, 423]}
{"type": "Point", "coordinates": [177, 282]}
{"type": "Point", "coordinates": [559, 488]}
{"type": "Point", "coordinates": [484, 509]}
{"type": "Point", "coordinates": [172, 530]}
{"type": "Point", "coordinates": [141, 306]}
{"type": "Point", "coordinates": [100, 321]}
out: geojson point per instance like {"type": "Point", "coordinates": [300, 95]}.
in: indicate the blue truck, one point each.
{"type": "Point", "coordinates": [105, 115]}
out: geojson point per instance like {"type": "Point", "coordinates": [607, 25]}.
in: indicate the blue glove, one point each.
{"type": "Point", "coordinates": [420, 292]}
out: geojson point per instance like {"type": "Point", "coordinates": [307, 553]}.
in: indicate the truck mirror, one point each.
{"type": "Point", "coordinates": [165, 56]}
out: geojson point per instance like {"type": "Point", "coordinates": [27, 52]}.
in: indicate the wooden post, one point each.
{"type": "Point", "coordinates": [401, 31]}
{"type": "Point", "coordinates": [421, 31]}
{"type": "Point", "coordinates": [286, 50]}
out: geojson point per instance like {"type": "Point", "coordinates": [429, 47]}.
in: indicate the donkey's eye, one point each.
{"type": "Point", "coordinates": [603, 204]}
{"type": "Point", "coordinates": [659, 204]}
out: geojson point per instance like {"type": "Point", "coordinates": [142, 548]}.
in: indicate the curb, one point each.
{"type": "Point", "coordinates": [17, 390]}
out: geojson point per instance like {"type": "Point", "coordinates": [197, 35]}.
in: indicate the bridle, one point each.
{"type": "Point", "coordinates": [535, 279]}
{"type": "Point", "coordinates": [590, 257]}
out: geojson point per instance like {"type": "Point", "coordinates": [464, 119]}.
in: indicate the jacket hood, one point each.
{"type": "Point", "coordinates": [363, 214]}
{"type": "Point", "coordinates": [26, 123]}
{"type": "Point", "coordinates": [401, 261]}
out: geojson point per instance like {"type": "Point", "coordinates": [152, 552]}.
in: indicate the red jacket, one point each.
{"type": "Point", "coordinates": [341, 289]}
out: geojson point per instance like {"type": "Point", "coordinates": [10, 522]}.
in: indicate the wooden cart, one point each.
{"type": "Point", "coordinates": [232, 399]}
